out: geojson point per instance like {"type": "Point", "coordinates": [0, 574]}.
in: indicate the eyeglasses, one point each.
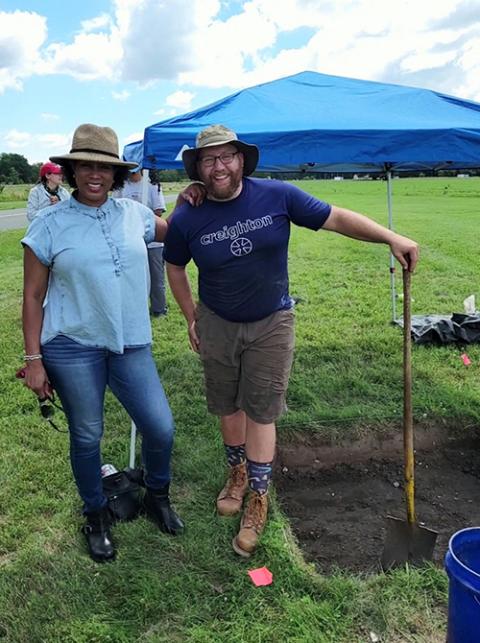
{"type": "Point", "coordinates": [226, 158]}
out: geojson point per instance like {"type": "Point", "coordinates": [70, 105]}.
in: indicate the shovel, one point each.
{"type": "Point", "coordinates": [407, 541]}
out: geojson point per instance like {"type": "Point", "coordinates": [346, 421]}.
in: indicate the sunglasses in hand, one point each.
{"type": "Point", "coordinates": [46, 404]}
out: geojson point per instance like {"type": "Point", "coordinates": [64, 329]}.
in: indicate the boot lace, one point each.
{"type": "Point", "coordinates": [255, 513]}
{"type": "Point", "coordinates": [236, 481]}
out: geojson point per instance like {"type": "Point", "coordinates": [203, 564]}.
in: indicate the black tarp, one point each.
{"type": "Point", "coordinates": [445, 329]}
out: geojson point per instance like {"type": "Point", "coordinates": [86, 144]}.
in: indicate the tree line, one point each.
{"type": "Point", "coordinates": [14, 168]}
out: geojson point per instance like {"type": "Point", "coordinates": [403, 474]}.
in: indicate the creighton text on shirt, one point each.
{"type": "Point", "coordinates": [227, 233]}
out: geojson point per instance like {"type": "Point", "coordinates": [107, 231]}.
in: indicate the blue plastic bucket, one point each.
{"type": "Point", "coordinates": [462, 563]}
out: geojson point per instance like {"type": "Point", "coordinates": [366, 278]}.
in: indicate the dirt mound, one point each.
{"type": "Point", "coordinates": [337, 497]}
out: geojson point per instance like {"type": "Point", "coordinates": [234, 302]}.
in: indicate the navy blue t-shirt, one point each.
{"type": "Point", "coordinates": [241, 246]}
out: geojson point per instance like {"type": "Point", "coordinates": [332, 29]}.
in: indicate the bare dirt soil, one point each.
{"type": "Point", "coordinates": [337, 497]}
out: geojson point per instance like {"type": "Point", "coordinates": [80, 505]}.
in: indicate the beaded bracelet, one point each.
{"type": "Point", "coordinates": [31, 358]}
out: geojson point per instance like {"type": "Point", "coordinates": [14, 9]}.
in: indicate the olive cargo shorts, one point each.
{"type": "Point", "coordinates": [246, 365]}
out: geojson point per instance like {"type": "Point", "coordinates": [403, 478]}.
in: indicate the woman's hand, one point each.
{"type": "Point", "coordinates": [36, 379]}
{"type": "Point", "coordinates": [194, 194]}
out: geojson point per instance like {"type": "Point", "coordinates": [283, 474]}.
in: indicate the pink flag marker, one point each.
{"type": "Point", "coordinates": [465, 359]}
{"type": "Point", "coordinates": [261, 576]}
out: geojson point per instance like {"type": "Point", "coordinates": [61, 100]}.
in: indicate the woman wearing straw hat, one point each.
{"type": "Point", "coordinates": [48, 190]}
{"type": "Point", "coordinates": [93, 329]}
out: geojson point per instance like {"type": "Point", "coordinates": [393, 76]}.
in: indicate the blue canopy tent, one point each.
{"type": "Point", "coordinates": [133, 152]}
{"type": "Point", "coordinates": [315, 122]}
{"type": "Point", "coordinates": [332, 123]}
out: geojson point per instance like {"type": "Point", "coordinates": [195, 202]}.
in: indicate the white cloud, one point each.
{"type": "Point", "coordinates": [427, 60]}
{"type": "Point", "coordinates": [347, 38]}
{"type": "Point", "coordinates": [15, 140]}
{"type": "Point", "coordinates": [22, 35]}
{"type": "Point", "coordinates": [89, 57]}
{"type": "Point", "coordinates": [132, 138]}
{"type": "Point", "coordinates": [47, 116]}
{"type": "Point", "coordinates": [470, 61]}
{"type": "Point", "coordinates": [185, 41]}
{"type": "Point", "coordinates": [121, 96]}
{"type": "Point", "coordinates": [58, 142]}
{"type": "Point", "coordinates": [36, 147]}
{"type": "Point", "coordinates": [180, 100]}
{"type": "Point", "coordinates": [99, 22]}
{"type": "Point", "coordinates": [157, 37]}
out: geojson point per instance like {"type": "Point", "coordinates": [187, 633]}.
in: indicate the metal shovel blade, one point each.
{"type": "Point", "coordinates": [407, 543]}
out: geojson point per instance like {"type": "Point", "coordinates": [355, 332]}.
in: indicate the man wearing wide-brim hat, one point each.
{"type": "Point", "coordinates": [243, 323]}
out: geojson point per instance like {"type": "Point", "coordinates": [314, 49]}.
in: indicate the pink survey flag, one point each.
{"type": "Point", "coordinates": [261, 576]}
{"type": "Point", "coordinates": [465, 359]}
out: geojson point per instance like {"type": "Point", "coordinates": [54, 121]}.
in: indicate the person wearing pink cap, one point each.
{"type": "Point", "coordinates": [47, 191]}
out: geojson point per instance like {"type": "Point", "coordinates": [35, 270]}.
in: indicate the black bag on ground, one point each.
{"type": "Point", "coordinates": [123, 492]}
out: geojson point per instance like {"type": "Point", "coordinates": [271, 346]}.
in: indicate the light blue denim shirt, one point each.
{"type": "Point", "coordinates": [99, 279]}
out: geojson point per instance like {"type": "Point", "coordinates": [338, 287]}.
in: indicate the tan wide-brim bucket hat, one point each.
{"type": "Point", "coordinates": [95, 144]}
{"type": "Point", "coordinates": [219, 135]}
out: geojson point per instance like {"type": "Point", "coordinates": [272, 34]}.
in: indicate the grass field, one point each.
{"type": "Point", "coordinates": [15, 196]}
{"type": "Point", "coordinates": [346, 381]}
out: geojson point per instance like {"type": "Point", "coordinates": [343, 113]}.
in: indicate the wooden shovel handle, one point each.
{"type": "Point", "coordinates": [407, 401]}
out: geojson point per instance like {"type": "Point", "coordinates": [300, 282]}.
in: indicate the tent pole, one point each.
{"type": "Point", "coordinates": [145, 187]}
{"type": "Point", "coordinates": [133, 435]}
{"type": "Point", "coordinates": [133, 428]}
{"type": "Point", "coordinates": [392, 258]}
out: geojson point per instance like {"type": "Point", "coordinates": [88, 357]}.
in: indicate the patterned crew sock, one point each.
{"type": "Point", "coordinates": [259, 476]}
{"type": "Point", "coordinates": [235, 455]}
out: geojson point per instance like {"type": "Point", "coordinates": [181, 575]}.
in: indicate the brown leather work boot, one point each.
{"type": "Point", "coordinates": [252, 524]}
{"type": "Point", "coordinates": [230, 498]}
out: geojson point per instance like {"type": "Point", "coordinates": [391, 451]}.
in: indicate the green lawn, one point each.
{"type": "Point", "coordinates": [346, 381]}
{"type": "Point", "coordinates": [15, 196]}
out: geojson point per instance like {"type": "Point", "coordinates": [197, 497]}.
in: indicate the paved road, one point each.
{"type": "Point", "coordinates": [13, 219]}
{"type": "Point", "coordinates": [16, 219]}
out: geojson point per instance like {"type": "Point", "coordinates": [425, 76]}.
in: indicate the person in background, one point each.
{"type": "Point", "coordinates": [243, 325]}
{"type": "Point", "coordinates": [48, 190]}
{"type": "Point", "coordinates": [86, 326]}
{"type": "Point", "coordinates": [133, 189]}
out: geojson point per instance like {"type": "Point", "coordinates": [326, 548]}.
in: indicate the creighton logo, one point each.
{"type": "Point", "coordinates": [236, 232]}
{"type": "Point", "coordinates": [241, 247]}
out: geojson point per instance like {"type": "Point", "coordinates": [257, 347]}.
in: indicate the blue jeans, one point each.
{"type": "Point", "coordinates": [80, 374]}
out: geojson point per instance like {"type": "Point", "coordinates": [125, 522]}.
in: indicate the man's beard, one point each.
{"type": "Point", "coordinates": [227, 190]}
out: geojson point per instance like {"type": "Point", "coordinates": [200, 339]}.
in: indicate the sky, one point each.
{"type": "Point", "coordinates": [128, 64]}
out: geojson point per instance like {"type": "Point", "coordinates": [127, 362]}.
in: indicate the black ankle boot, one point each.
{"type": "Point", "coordinates": [97, 533]}
{"type": "Point", "coordinates": [157, 506]}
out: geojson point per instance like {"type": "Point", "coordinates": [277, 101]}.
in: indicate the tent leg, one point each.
{"type": "Point", "coordinates": [133, 435]}
{"type": "Point", "coordinates": [145, 187]}
{"type": "Point", "coordinates": [392, 258]}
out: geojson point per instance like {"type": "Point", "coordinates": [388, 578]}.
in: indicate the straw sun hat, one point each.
{"type": "Point", "coordinates": [95, 144]}
{"type": "Point", "coordinates": [219, 135]}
